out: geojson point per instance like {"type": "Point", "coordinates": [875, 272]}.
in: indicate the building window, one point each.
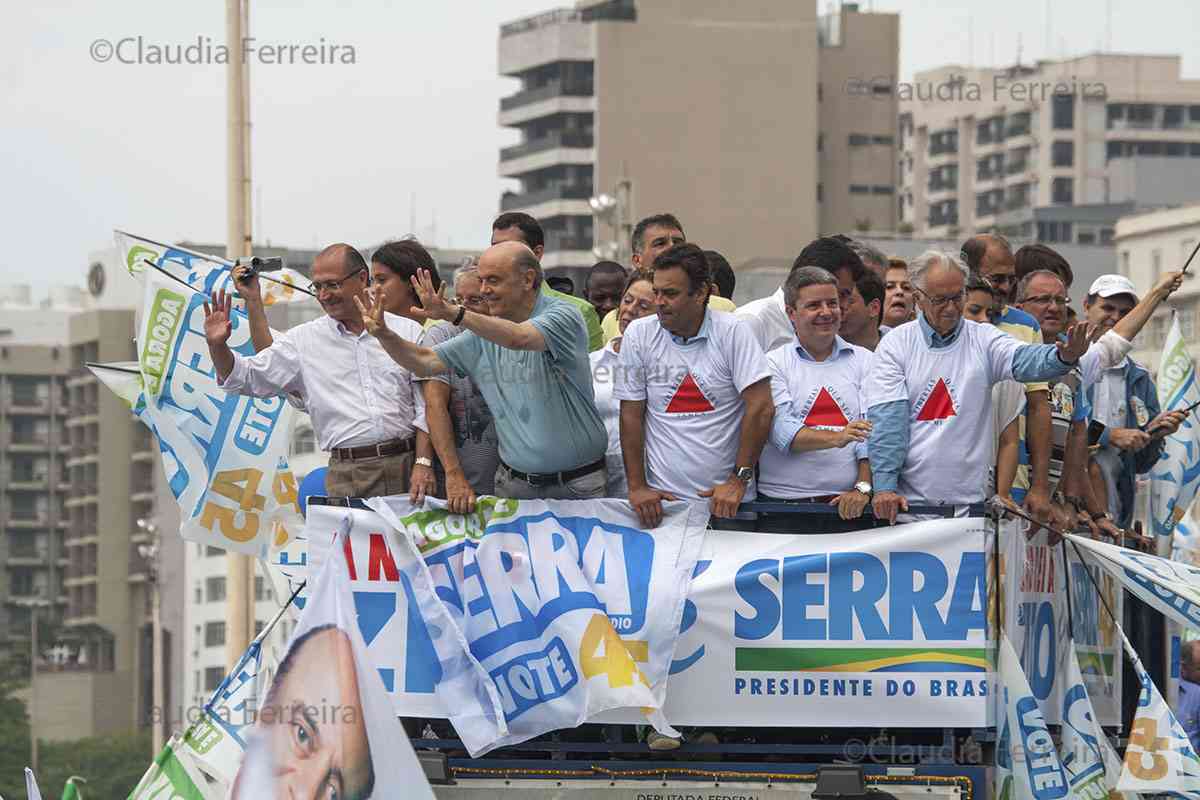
{"type": "Point", "coordinates": [820, 142]}
{"type": "Point", "coordinates": [1062, 115]}
{"type": "Point", "coordinates": [1062, 191]}
{"type": "Point", "coordinates": [882, 190]}
{"type": "Point", "coordinates": [858, 188]}
{"type": "Point", "coordinates": [1106, 236]}
{"type": "Point", "coordinates": [1086, 237]}
{"type": "Point", "coordinates": [820, 192]}
{"type": "Point", "coordinates": [215, 588]}
{"type": "Point", "coordinates": [858, 139]}
{"type": "Point", "coordinates": [214, 634]}
{"type": "Point", "coordinates": [1062, 154]}
{"type": "Point", "coordinates": [1172, 117]}
{"type": "Point", "coordinates": [212, 678]}
{"type": "Point", "coordinates": [305, 441]}
{"type": "Point", "coordinates": [885, 140]}
{"type": "Point", "coordinates": [260, 588]}
{"type": "Point", "coordinates": [199, 594]}
{"type": "Point", "coordinates": [943, 142]}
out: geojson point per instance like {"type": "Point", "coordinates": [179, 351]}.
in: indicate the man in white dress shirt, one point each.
{"type": "Point", "coordinates": [363, 405]}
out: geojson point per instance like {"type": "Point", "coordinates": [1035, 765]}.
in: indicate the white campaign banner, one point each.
{"type": "Point", "coordinates": [225, 455]}
{"type": "Point", "coordinates": [882, 627]}
{"type": "Point", "coordinates": [1027, 765]}
{"type": "Point", "coordinates": [1175, 478]}
{"type": "Point", "coordinates": [325, 727]}
{"type": "Point", "coordinates": [1170, 587]}
{"type": "Point", "coordinates": [1092, 764]}
{"type": "Point", "coordinates": [204, 273]}
{"type": "Point", "coordinates": [1035, 621]}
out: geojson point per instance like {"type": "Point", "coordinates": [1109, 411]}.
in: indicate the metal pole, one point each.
{"type": "Point", "coordinates": [33, 649]}
{"type": "Point", "coordinates": [160, 703]}
{"type": "Point", "coordinates": [239, 616]}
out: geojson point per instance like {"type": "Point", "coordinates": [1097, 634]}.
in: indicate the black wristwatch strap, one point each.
{"type": "Point", "coordinates": [462, 312]}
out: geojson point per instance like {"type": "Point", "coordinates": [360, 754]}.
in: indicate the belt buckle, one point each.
{"type": "Point", "coordinates": [535, 479]}
{"type": "Point", "coordinates": [379, 450]}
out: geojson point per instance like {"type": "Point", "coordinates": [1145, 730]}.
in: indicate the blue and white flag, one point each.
{"type": "Point", "coordinates": [31, 788]}
{"type": "Point", "coordinates": [203, 272]}
{"type": "Point", "coordinates": [225, 455]}
{"type": "Point", "coordinates": [1027, 765]}
{"type": "Point", "coordinates": [1092, 765]}
{"type": "Point", "coordinates": [1170, 587]}
{"type": "Point", "coordinates": [558, 611]}
{"type": "Point", "coordinates": [1159, 757]}
{"type": "Point", "coordinates": [1176, 477]}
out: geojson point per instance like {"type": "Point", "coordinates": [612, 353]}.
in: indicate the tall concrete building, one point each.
{"type": "Point", "coordinates": [1056, 151]}
{"type": "Point", "coordinates": [709, 110]}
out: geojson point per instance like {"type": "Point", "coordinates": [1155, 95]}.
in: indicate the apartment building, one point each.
{"type": "Point", "coordinates": [758, 124]}
{"type": "Point", "coordinates": [1007, 149]}
{"type": "Point", "coordinates": [1149, 244]}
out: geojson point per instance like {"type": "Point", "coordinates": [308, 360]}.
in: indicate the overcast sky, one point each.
{"type": "Point", "coordinates": [339, 151]}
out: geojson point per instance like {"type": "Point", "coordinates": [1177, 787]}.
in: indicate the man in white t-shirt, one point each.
{"type": "Point", "coordinates": [818, 450]}
{"type": "Point", "coordinates": [695, 396]}
{"type": "Point", "coordinates": [929, 393]}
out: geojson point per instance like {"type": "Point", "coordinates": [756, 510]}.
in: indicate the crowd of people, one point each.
{"type": "Point", "coordinates": [863, 382]}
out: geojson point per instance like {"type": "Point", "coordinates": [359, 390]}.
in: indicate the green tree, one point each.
{"type": "Point", "coordinates": [14, 740]}
{"type": "Point", "coordinates": [111, 764]}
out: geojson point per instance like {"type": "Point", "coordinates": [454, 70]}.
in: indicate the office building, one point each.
{"type": "Point", "coordinates": [1012, 149]}
{"type": "Point", "coordinates": [720, 113]}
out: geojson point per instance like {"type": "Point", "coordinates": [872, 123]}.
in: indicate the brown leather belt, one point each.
{"type": "Point", "coordinates": [394, 447]}
{"type": "Point", "coordinates": [554, 478]}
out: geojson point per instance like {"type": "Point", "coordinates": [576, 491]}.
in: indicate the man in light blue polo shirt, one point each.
{"type": "Point", "coordinates": [529, 358]}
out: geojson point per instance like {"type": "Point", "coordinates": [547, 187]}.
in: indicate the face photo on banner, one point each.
{"type": "Point", "coordinates": [325, 727]}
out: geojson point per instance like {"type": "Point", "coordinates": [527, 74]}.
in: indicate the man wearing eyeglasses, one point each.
{"type": "Point", "coordinates": [929, 393]}
{"type": "Point", "coordinates": [363, 405]}
{"type": "Point", "coordinates": [991, 257]}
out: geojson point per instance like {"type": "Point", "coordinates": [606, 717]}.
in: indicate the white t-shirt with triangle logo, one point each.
{"type": "Point", "coordinates": [694, 407]}
{"type": "Point", "coordinates": [951, 434]}
{"type": "Point", "coordinates": [824, 395]}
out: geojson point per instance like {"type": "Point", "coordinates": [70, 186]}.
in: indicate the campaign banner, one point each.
{"type": "Point", "coordinates": [174, 776]}
{"type": "Point", "coordinates": [1035, 605]}
{"type": "Point", "coordinates": [325, 727]}
{"type": "Point", "coordinates": [875, 627]}
{"type": "Point", "coordinates": [204, 273]}
{"type": "Point", "coordinates": [1170, 587]}
{"type": "Point", "coordinates": [225, 455]}
{"type": "Point", "coordinates": [1092, 765]}
{"type": "Point", "coordinates": [1027, 765]}
{"type": "Point", "coordinates": [1175, 478]}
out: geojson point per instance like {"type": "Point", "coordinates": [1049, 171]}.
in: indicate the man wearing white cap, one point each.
{"type": "Point", "coordinates": [1125, 399]}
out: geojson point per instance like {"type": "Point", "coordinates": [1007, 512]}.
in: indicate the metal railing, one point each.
{"type": "Point", "coordinates": [547, 142]}
{"type": "Point", "coordinates": [556, 88]}
{"type": "Point", "coordinates": [511, 200]}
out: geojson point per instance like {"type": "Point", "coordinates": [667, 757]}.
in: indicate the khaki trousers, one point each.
{"type": "Point", "coordinates": [376, 476]}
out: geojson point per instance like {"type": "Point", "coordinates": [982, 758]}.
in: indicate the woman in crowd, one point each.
{"type": "Point", "coordinates": [637, 301]}
{"type": "Point", "coordinates": [393, 266]}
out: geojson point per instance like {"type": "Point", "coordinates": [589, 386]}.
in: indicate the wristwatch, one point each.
{"type": "Point", "coordinates": [422, 461]}
{"type": "Point", "coordinates": [863, 487]}
{"type": "Point", "coordinates": [744, 474]}
{"type": "Point", "coordinates": [1100, 516]}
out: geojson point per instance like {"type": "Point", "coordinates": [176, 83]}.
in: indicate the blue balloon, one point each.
{"type": "Point", "coordinates": [313, 484]}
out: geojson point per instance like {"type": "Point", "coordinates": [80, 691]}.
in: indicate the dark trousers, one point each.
{"type": "Point", "coordinates": [800, 522]}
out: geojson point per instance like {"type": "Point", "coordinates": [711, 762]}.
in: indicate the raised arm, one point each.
{"type": "Point", "coordinates": [250, 289]}
{"type": "Point", "coordinates": [512, 335]}
{"type": "Point", "coordinates": [1132, 323]}
{"type": "Point", "coordinates": [420, 361]}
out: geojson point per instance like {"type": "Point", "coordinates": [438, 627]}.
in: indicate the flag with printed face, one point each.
{"type": "Point", "coordinates": [1175, 478]}
{"type": "Point", "coordinates": [225, 455]}
{"type": "Point", "coordinates": [1092, 765]}
{"type": "Point", "coordinates": [1027, 765]}
{"type": "Point", "coordinates": [203, 272]}
{"type": "Point", "coordinates": [326, 727]}
{"type": "Point", "coordinates": [1159, 756]}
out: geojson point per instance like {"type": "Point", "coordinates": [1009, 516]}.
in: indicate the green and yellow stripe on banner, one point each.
{"type": "Point", "coordinates": [861, 659]}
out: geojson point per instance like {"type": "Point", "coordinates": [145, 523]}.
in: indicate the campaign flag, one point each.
{"type": "Point", "coordinates": [31, 788]}
{"type": "Point", "coordinates": [570, 609]}
{"type": "Point", "coordinates": [225, 455]}
{"type": "Point", "coordinates": [1175, 478]}
{"type": "Point", "coordinates": [217, 741]}
{"type": "Point", "coordinates": [327, 707]}
{"type": "Point", "coordinates": [1091, 763]}
{"type": "Point", "coordinates": [1027, 763]}
{"type": "Point", "coordinates": [202, 271]}
{"type": "Point", "coordinates": [173, 775]}
{"type": "Point", "coordinates": [123, 378]}
{"type": "Point", "coordinates": [1170, 587]}
{"type": "Point", "coordinates": [1159, 757]}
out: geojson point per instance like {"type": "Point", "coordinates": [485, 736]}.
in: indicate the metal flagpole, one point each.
{"type": "Point", "coordinates": [239, 607]}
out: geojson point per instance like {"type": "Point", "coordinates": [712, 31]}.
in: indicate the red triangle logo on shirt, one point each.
{"type": "Point", "coordinates": [825, 411]}
{"type": "Point", "coordinates": [688, 398]}
{"type": "Point", "coordinates": [938, 405]}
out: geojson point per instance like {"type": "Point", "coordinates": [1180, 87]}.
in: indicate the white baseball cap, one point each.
{"type": "Point", "coordinates": [1109, 285]}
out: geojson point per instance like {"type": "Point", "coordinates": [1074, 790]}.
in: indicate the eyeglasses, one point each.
{"type": "Point", "coordinates": [316, 286]}
{"type": "Point", "coordinates": [1047, 299]}
{"type": "Point", "coordinates": [939, 302]}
